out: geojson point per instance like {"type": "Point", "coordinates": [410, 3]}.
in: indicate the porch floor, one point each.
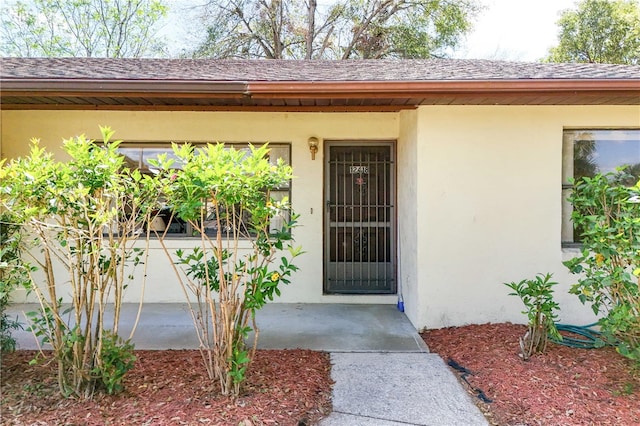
{"type": "Point", "coordinates": [326, 327]}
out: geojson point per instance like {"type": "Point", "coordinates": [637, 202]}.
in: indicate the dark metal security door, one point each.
{"type": "Point", "coordinates": [360, 218]}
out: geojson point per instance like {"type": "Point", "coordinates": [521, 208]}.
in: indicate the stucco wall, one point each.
{"type": "Point", "coordinates": [18, 127]}
{"type": "Point", "coordinates": [408, 214]}
{"type": "Point", "coordinates": [478, 191]}
{"type": "Point", "coordinates": [490, 207]}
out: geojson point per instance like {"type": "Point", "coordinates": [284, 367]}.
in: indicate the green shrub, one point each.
{"type": "Point", "coordinates": [84, 215]}
{"type": "Point", "coordinates": [537, 296]}
{"type": "Point", "coordinates": [117, 359]}
{"type": "Point", "coordinates": [243, 256]}
{"type": "Point", "coordinates": [13, 274]}
{"type": "Point", "coordinates": [606, 212]}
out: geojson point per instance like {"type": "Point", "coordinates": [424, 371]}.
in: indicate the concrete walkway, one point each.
{"type": "Point", "coordinates": [397, 389]}
{"type": "Point", "coordinates": [383, 372]}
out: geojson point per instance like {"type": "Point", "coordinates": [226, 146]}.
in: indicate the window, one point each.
{"type": "Point", "coordinates": [138, 155]}
{"type": "Point", "coordinates": [588, 152]}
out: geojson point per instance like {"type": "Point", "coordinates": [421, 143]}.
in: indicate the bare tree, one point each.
{"type": "Point", "coordinates": [90, 28]}
{"type": "Point", "coordinates": [343, 29]}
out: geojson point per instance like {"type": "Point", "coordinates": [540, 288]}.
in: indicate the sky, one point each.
{"type": "Point", "coordinates": [516, 30]}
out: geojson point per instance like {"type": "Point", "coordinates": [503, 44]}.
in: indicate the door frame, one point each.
{"type": "Point", "coordinates": [327, 145]}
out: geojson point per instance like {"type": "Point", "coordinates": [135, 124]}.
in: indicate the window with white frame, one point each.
{"type": "Point", "coordinates": [137, 155]}
{"type": "Point", "coordinates": [587, 152]}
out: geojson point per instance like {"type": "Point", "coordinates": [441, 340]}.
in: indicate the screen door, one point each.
{"type": "Point", "coordinates": [359, 218]}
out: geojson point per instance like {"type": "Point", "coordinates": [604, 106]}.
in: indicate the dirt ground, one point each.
{"type": "Point", "coordinates": [565, 386]}
{"type": "Point", "coordinates": [284, 387]}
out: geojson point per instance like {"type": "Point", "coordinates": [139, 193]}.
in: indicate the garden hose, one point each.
{"type": "Point", "coordinates": [591, 338]}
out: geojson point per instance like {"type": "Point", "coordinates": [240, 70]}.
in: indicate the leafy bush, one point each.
{"type": "Point", "coordinates": [117, 358]}
{"type": "Point", "coordinates": [13, 274]}
{"type": "Point", "coordinates": [243, 256]}
{"type": "Point", "coordinates": [537, 296]}
{"type": "Point", "coordinates": [606, 211]}
{"type": "Point", "coordinates": [84, 215]}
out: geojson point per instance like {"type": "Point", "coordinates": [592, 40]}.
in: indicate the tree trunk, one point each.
{"type": "Point", "coordinates": [311, 29]}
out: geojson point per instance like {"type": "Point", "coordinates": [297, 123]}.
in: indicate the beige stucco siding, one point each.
{"type": "Point", "coordinates": [478, 192]}
{"type": "Point", "coordinates": [18, 127]}
{"type": "Point", "coordinates": [408, 214]}
{"type": "Point", "coordinates": [490, 206]}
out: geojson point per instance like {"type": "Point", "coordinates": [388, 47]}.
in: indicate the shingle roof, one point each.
{"type": "Point", "coordinates": [355, 85]}
{"type": "Point", "coordinates": [303, 71]}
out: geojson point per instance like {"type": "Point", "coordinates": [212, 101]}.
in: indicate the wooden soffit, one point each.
{"type": "Point", "coordinates": [321, 96]}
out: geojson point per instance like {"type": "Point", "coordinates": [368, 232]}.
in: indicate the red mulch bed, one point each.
{"type": "Point", "coordinates": [564, 386]}
{"type": "Point", "coordinates": [284, 387]}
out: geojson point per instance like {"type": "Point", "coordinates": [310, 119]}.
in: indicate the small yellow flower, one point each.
{"type": "Point", "coordinates": [599, 259]}
{"type": "Point", "coordinates": [275, 277]}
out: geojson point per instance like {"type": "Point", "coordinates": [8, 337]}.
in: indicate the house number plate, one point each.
{"type": "Point", "coordinates": [359, 170]}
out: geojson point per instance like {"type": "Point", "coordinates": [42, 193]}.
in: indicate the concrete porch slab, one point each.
{"type": "Point", "coordinates": [326, 327]}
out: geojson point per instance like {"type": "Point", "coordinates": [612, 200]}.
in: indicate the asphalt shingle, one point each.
{"type": "Point", "coordinates": [303, 71]}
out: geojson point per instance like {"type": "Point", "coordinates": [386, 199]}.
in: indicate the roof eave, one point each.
{"type": "Point", "coordinates": [314, 88]}
{"type": "Point", "coordinates": [300, 95]}
{"type": "Point", "coordinates": [122, 86]}
{"type": "Point", "coordinates": [387, 88]}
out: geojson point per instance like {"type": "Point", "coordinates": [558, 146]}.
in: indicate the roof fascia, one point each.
{"type": "Point", "coordinates": [415, 88]}
{"type": "Point", "coordinates": [123, 86]}
{"type": "Point", "coordinates": [314, 88]}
